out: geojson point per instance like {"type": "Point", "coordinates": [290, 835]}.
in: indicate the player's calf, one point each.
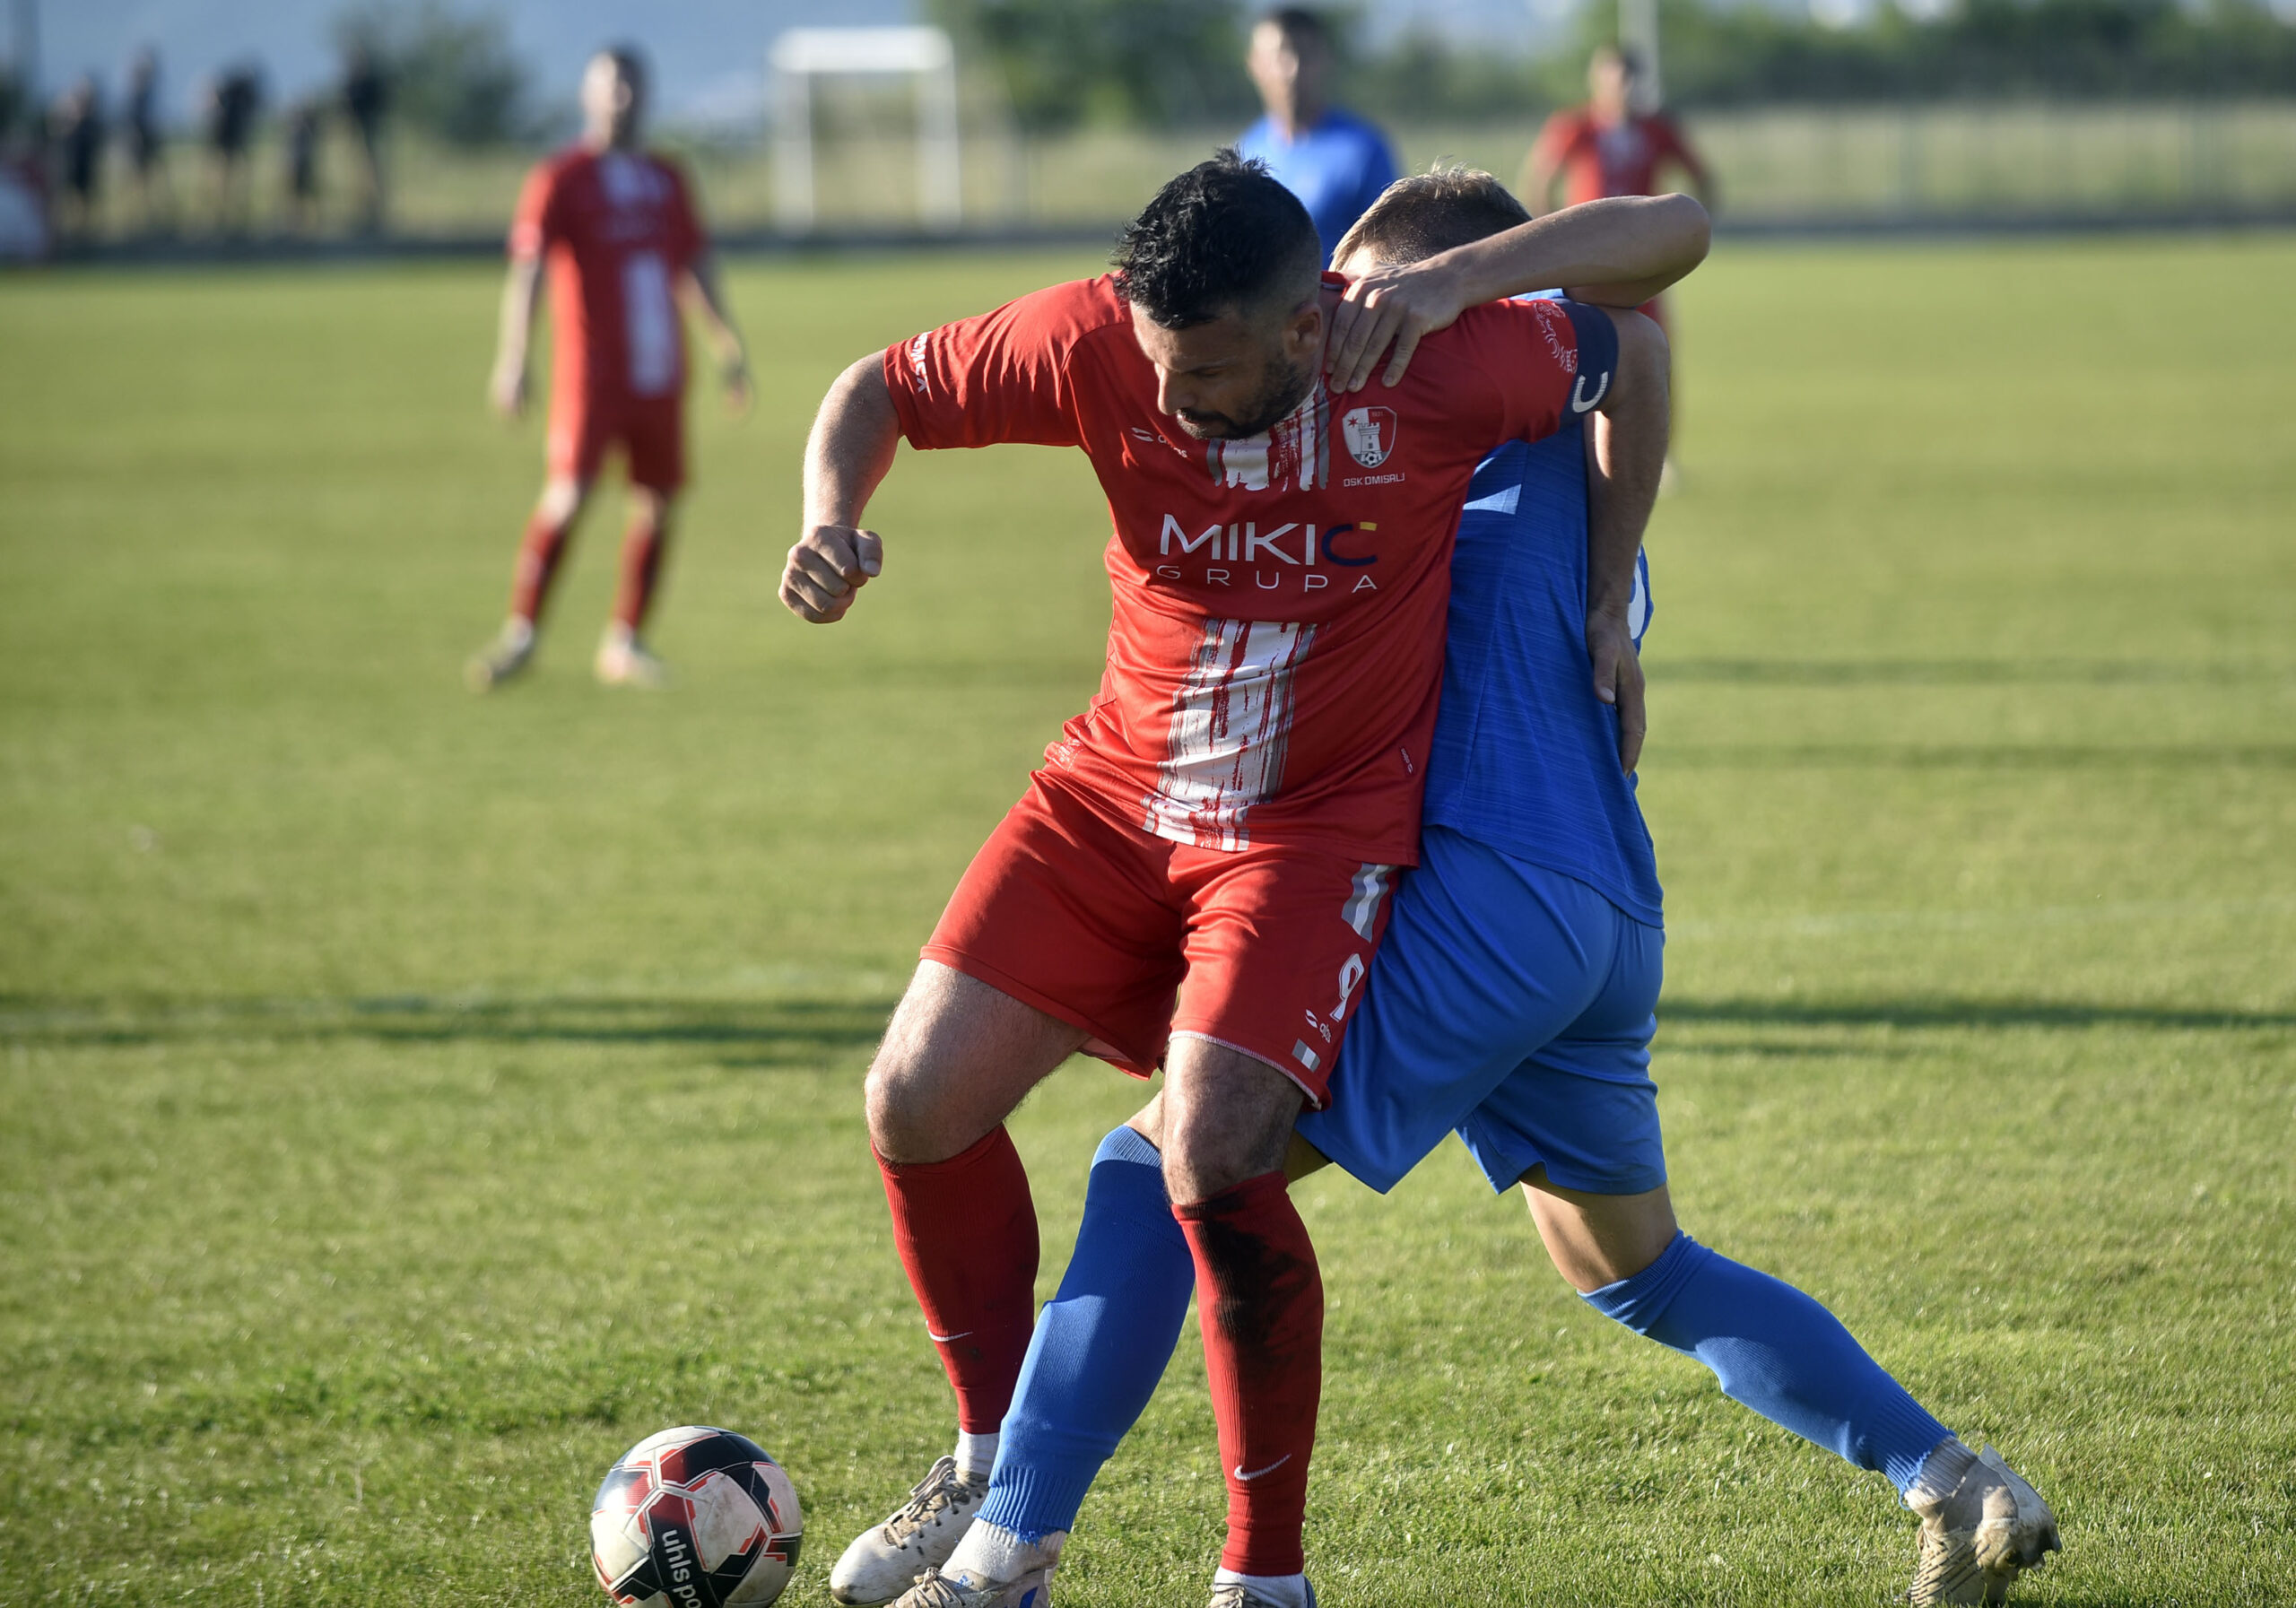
{"type": "Point", "coordinates": [1227, 1123]}
{"type": "Point", "coordinates": [957, 1057]}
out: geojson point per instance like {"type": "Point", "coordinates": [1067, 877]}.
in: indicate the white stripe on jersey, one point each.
{"type": "Point", "coordinates": [649, 322]}
{"type": "Point", "coordinates": [1362, 906]}
{"type": "Point", "coordinates": [1297, 449]}
{"type": "Point", "coordinates": [1230, 722]}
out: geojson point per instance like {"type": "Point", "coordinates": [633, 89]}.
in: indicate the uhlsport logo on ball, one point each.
{"type": "Point", "coordinates": [695, 1517]}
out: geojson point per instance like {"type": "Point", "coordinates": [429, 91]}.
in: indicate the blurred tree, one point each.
{"type": "Point", "coordinates": [1717, 55]}
{"type": "Point", "coordinates": [1422, 77]}
{"type": "Point", "coordinates": [1124, 62]}
{"type": "Point", "coordinates": [452, 73]}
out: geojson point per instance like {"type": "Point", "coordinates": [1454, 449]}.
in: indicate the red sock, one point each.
{"type": "Point", "coordinates": [1260, 1300]}
{"type": "Point", "coordinates": [966, 1232]}
{"type": "Point", "coordinates": [543, 545]}
{"type": "Point", "coordinates": [641, 568]}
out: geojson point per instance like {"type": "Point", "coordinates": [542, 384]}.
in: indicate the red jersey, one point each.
{"type": "Point", "coordinates": [1621, 160]}
{"type": "Point", "coordinates": [617, 229]}
{"type": "Point", "coordinates": [1277, 643]}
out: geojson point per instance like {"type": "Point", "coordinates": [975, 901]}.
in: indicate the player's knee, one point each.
{"type": "Point", "coordinates": [1206, 1154]}
{"type": "Point", "coordinates": [562, 497]}
{"type": "Point", "coordinates": [906, 1123]}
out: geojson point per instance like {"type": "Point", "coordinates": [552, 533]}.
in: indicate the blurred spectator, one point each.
{"type": "Point", "coordinates": [147, 167]}
{"type": "Point", "coordinates": [76, 133]}
{"type": "Point", "coordinates": [1334, 162]}
{"type": "Point", "coordinates": [304, 127]}
{"type": "Point", "coordinates": [366, 100]}
{"type": "Point", "coordinates": [1607, 147]}
{"type": "Point", "coordinates": [234, 101]}
{"type": "Point", "coordinates": [23, 175]}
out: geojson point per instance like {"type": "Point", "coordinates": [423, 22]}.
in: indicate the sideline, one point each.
{"type": "Point", "coordinates": [764, 243]}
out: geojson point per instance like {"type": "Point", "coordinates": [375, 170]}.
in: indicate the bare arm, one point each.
{"type": "Point", "coordinates": [1619, 251]}
{"type": "Point", "coordinates": [702, 294]}
{"type": "Point", "coordinates": [521, 291]}
{"type": "Point", "coordinates": [847, 457]}
{"type": "Point", "coordinates": [1627, 451]}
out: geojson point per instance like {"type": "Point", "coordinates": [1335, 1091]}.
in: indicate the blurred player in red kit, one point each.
{"type": "Point", "coordinates": [625, 251]}
{"type": "Point", "coordinates": [1606, 147]}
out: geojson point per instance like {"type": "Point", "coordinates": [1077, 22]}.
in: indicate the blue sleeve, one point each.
{"type": "Point", "coordinates": [1598, 339]}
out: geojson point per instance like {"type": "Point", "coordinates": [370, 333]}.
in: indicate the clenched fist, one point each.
{"type": "Point", "coordinates": [829, 564]}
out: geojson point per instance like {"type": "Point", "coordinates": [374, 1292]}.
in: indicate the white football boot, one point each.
{"type": "Point", "coordinates": [505, 657]}
{"type": "Point", "coordinates": [992, 1567]}
{"type": "Point", "coordinates": [624, 661]}
{"type": "Point", "coordinates": [1976, 1541]}
{"type": "Point", "coordinates": [1236, 1594]}
{"type": "Point", "coordinates": [885, 1561]}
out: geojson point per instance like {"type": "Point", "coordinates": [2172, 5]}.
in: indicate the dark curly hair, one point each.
{"type": "Point", "coordinates": [1224, 237]}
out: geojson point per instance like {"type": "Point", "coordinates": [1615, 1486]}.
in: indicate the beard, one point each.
{"type": "Point", "coordinates": [1280, 390]}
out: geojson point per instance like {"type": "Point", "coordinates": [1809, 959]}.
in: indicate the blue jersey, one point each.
{"type": "Point", "coordinates": [1336, 169]}
{"type": "Point", "coordinates": [1525, 757]}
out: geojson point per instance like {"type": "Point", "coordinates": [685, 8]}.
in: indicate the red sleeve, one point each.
{"type": "Point", "coordinates": [1001, 376]}
{"type": "Point", "coordinates": [1529, 352]}
{"type": "Point", "coordinates": [535, 224]}
{"type": "Point", "coordinates": [1555, 139]}
{"type": "Point", "coordinates": [687, 239]}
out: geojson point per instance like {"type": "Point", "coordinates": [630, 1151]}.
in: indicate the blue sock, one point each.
{"type": "Point", "coordinates": [1777, 1351]}
{"type": "Point", "coordinates": [1101, 1345]}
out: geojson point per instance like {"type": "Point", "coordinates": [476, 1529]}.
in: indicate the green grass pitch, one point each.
{"type": "Point", "coordinates": [409, 1099]}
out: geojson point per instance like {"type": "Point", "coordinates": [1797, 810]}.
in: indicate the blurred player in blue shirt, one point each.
{"type": "Point", "coordinates": [1333, 161]}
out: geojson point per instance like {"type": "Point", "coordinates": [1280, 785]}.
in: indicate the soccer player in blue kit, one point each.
{"type": "Point", "coordinates": [1514, 1001]}
{"type": "Point", "coordinates": [1333, 161]}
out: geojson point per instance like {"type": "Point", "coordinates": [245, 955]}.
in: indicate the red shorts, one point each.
{"type": "Point", "coordinates": [1134, 938]}
{"type": "Point", "coordinates": [651, 430]}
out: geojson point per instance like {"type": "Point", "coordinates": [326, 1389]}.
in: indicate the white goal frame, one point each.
{"type": "Point", "coordinates": [925, 56]}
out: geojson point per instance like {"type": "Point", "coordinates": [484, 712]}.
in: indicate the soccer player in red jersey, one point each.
{"type": "Point", "coordinates": [617, 230]}
{"type": "Point", "coordinates": [1196, 878]}
{"type": "Point", "coordinates": [1606, 147]}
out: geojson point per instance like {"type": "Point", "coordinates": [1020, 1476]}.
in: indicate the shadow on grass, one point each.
{"type": "Point", "coordinates": [1965, 1013]}
{"type": "Point", "coordinates": [761, 1033]}
{"type": "Point", "coordinates": [1962, 672]}
{"type": "Point", "coordinates": [805, 1031]}
{"type": "Point", "coordinates": [1984, 756]}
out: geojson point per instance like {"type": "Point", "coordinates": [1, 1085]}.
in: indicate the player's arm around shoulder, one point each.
{"type": "Point", "coordinates": [847, 456]}
{"type": "Point", "coordinates": [1620, 251]}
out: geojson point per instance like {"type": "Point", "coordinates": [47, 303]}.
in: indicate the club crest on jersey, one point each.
{"type": "Point", "coordinates": [1370, 435]}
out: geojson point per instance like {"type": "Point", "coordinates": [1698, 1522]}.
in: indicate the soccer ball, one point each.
{"type": "Point", "coordinates": [695, 1518]}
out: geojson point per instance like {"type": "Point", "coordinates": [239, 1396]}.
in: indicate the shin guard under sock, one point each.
{"type": "Point", "coordinates": [1101, 1345]}
{"type": "Point", "coordinates": [539, 551]}
{"type": "Point", "coordinates": [1777, 1351]}
{"type": "Point", "coordinates": [1260, 1300]}
{"type": "Point", "coordinates": [642, 546]}
{"type": "Point", "coordinates": [966, 1229]}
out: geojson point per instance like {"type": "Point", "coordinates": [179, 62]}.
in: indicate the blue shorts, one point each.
{"type": "Point", "coordinates": [1515, 1004]}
